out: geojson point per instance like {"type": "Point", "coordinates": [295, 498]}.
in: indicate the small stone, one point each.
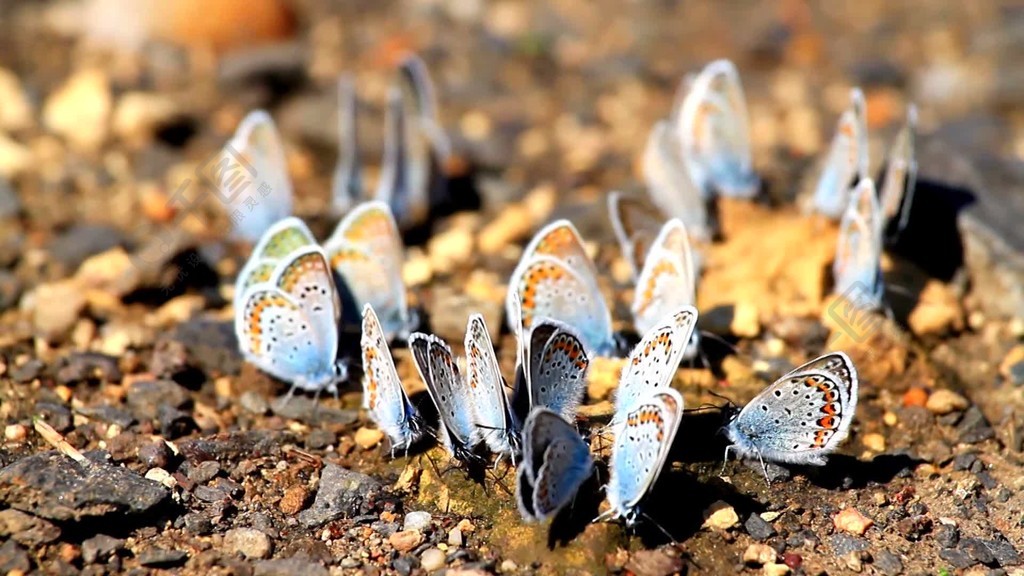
{"type": "Point", "coordinates": [298, 564]}
{"type": "Point", "coordinates": [204, 471]}
{"type": "Point", "coordinates": [773, 569]}
{"type": "Point", "coordinates": [914, 527]}
{"type": "Point", "coordinates": [432, 559]}
{"type": "Point", "coordinates": [792, 560]}
{"type": "Point", "coordinates": [974, 427]}
{"type": "Point", "coordinates": [145, 397]}
{"type": "Point", "coordinates": [759, 555]}
{"type": "Point", "coordinates": [100, 547]}
{"type": "Point", "coordinates": [367, 438]}
{"type": "Point", "coordinates": [79, 110]}
{"type": "Point", "coordinates": [887, 563]}
{"type": "Point", "coordinates": [890, 418]}
{"type": "Point", "coordinates": [874, 442]}
{"type": "Point", "coordinates": [745, 320]}
{"type": "Point", "coordinates": [160, 558]}
{"type": "Point", "coordinates": [405, 540]}
{"type": "Point", "coordinates": [722, 518]}
{"type": "Point", "coordinates": [957, 558]}
{"type": "Point", "coordinates": [26, 529]}
{"type": "Point", "coordinates": [139, 114]}
{"type": "Point", "coordinates": [508, 566]}
{"type": "Point", "coordinates": [512, 224]}
{"type": "Point", "coordinates": [844, 544]}
{"type": "Point", "coordinates": [946, 401]}
{"type": "Point", "coordinates": [294, 500]}
{"type": "Point", "coordinates": [55, 307]}
{"type": "Point", "coordinates": [455, 537]}
{"type": "Point", "coordinates": [938, 310]}
{"type": "Point", "coordinates": [113, 271]}
{"type": "Point", "coordinates": [653, 563]}
{"type": "Point", "coordinates": [320, 439]}
{"type": "Point", "coordinates": [853, 561]}
{"type": "Point", "coordinates": [248, 542]}
{"type": "Point", "coordinates": [852, 521]}
{"type": "Point", "coordinates": [451, 249]}
{"type": "Point", "coordinates": [418, 520]}
{"type": "Point", "coordinates": [915, 397]}
{"type": "Point", "coordinates": [17, 112]}
{"type": "Point", "coordinates": [155, 454]}
{"type": "Point", "coordinates": [254, 403]}
{"type": "Point", "coordinates": [15, 433]}
{"type": "Point", "coordinates": [758, 529]}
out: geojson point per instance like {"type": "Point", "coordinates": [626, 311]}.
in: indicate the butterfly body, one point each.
{"type": "Point", "coordinates": [438, 370]}
{"type": "Point", "coordinates": [493, 415]}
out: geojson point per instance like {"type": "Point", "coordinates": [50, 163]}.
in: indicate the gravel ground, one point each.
{"type": "Point", "coordinates": [136, 439]}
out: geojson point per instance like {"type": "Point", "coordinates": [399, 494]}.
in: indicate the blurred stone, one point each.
{"type": "Point", "coordinates": [937, 312]}
{"type": "Point", "coordinates": [112, 271]}
{"type": "Point", "coordinates": [299, 564]}
{"type": "Point", "coordinates": [26, 529]}
{"type": "Point", "coordinates": [367, 438]}
{"type": "Point", "coordinates": [55, 307]}
{"type": "Point", "coordinates": [759, 554]}
{"type": "Point", "coordinates": [139, 114]}
{"type": "Point", "coordinates": [100, 547]}
{"type": "Point", "coordinates": [653, 563]}
{"type": "Point", "coordinates": [432, 559]}
{"type": "Point", "coordinates": [773, 569]}
{"type": "Point", "coordinates": [722, 518]}
{"type": "Point", "coordinates": [758, 528]}
{"type": "Point", "coordinates": [294, 500]}
{"type": "Point", "coordinates": [80, 109]}
{"type": "Point", "coordinates": [15, 157]}
{"type": "Point", "coordinates": [874, 442]}
{"type": "Point", "coordinates": [451, 249]}
{"type": "Point", "coordinates": [944, 401]}
{"type": "Point", "coordinates": [405, 540]}
{"type": "Point", "coordinates": [145, 397]}
{"type": "Point", "coordinates": [18, 112]}
{"type": "Point", "coordinates": [455, 538]}
{"type": "Point", "coordinates": [418, 520]}
{"type": "Point", "coordinates": [161, 558]}
{"type": "Point", "coordinates": [512, 224]}
{"type": "Point", "coordinates": [342, 494]}
{"type": "Point", "coordinates": [603, 377]}
{"type": "Point", "coordinates": [248, 542]}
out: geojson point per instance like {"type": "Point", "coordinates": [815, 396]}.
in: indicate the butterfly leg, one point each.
{"type": "Point", "coordinates": [764, 469]}
{"type": "Point", "coordinates": [725, 459]}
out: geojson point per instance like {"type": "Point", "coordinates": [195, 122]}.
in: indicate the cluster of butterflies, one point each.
{"type": "Point", "coordinates": [291, 295]}
{"type": "Point", "coordinates": [560, 322]}
{"type": "Point", "coordinates": [416, 149]}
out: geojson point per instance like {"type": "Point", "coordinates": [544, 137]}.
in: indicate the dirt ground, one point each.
{"type": "Point", "coordinates": [116, 340]}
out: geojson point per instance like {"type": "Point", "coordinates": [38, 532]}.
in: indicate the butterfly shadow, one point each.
{"type": "Point", "coordinates": [846, 472]}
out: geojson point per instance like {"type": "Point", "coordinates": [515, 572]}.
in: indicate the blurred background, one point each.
{"type": "Point", "coordinates": [107, 106]}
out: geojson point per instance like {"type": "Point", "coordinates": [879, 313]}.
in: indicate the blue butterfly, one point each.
{"type": "Point", "coordinates": [493, 414]}
{"type": "Point", "coordinates": [556, 462]}
{"type": "Point", "coordinates": [383, 395]}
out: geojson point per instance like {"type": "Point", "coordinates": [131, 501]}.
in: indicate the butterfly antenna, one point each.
{"type": "Point", "coordinates": [702, 408]}
{"type": "Point", "coordinates": [728, 400]}
{"type": "Point", "coordinates": [659, 527]}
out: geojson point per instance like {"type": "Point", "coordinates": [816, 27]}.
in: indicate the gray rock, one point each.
{"type": "Point", "coordinates": [53, 486]}
{"type": "Point", "coordinates": [307, 409]}
{"type": "Point", "coordinates": [990, 552]}
{"type": "Point", "coordinates": [100, 547]}
{"type": "Point", "coordinates": [418, 520]}
{"type": "Point", "coordinates": [212, 345]}
{"type": "Point", "coordinates": [957, 558]}
{"type": "Point", "coordinates": [82, 366]}
{"type": "Point", "coordinates": [289, 566]}
{"type": "Point", "coordinates": [56, 415]}
{"type": "Point", "coordinates": [231, 446]}
{"type": "Point", "coordinates": [343, 493]}
{"type": "Point", "coordinates": [13, 558]}
{"type": "Point", "coordinates": [974, 427]}
{"type": "Point", "coordinates": [26, 529]}
{"type": "Point", "coordinates": [254, 402]}
{"type": "Point", "coordinates": [146, 397]}
{"type": "Point", "coordinates": [843, 544]}
{"type": "Point", "coordinates": [203, 472]}
{"type": "Point", "coordinates": [888, 563]}
{"type": "Point", "coordinates": [161, 558]}
{"type": "Point", "coordinates": [11, 289]}
{"type": "Point", "coordinates": [109, 414]}
{"type": "Point", "coordinates": [248, 542]}
{"type": "Point", "coordinates": [758, 529]}
{"type": "Point", "coordinates": [81, 241]}
{"type": "Point", "coordinates": [28, 371]}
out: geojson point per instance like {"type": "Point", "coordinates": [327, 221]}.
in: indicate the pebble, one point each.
{"type": "Point", "coordinates": [248, 542]}
{"type": "Point", "coordinates": [79, 110]}
{"type": "Point", "coordinates": [17, 112]}
{"type": "Point", "coordinates": [26, 529]}
{"type": "Point", "coordinates": [512, 224]}
{"type": "Point", "coordinates": [874, 442]}
{"type": "Point", "coordinates": [160, 558]}
{"type": "Point", "coordinates": [759, 555]}
{"type": "Point", "coordinates": [15, 433]}
{"type": "Point", "coordinates": [946, 401]}
{"type": "Point", "coordinates": [55, 307]}
{"type": "Point", "coordinates": [938, 310]}
{"type": "Point", "coordinates": [653, 563]}
{"type": "Point", "coordinates": [451, 249]}
{"type": "Point", "coordinates": [722, 519]}
{"type": "Point", "coordinates": [852, 521]}
{"type": "Point", "coordinates": [367, 438]}
{"type": "Point", "coordinates": [915, 397]}
{"type": "Point", "coordinates": [254, 403]}
{"type": "Point", "coordinates": [745, 320]}
{"type": "Point", "coordinates": [758, 529]}
{"type": "Point", "coordinates": [112, 271]}
{"type": "Point", "coordinates": [418, 520]}
{"type": "Point", "coordinates": [432, 559]}
{"type": "Point", "coordinates": [155, 454]}
{"type": "Point", "coordinates": [405, 540]}
{"type": "Point", "coordinates": [974, 427]}
{"type": "Point", "coordinates": [100, 547]}
{"type": "Point", "coordinates": [139, 114]}
{"type": "Point", "coordinates": [774, 569]}
{"type": "Point", "coordinates": [888, 563]}
{"type": "Point", "coordinates": [455, 537]}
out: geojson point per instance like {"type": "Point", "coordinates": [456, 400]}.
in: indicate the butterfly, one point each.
{"type": "Point", "coordinates": [458, 433]}
{"type": "Point", "coordinates": [857, 267]}
{"type": "Point", "coordinates": [366, 251]}
{"type": "Point", "coordinates": [288, 326]}
{"type": "Point", "coordinates": [556, 462]}
{"type": "Point", "coordinates": [636, 225]}
{"type": "Point", "coordinates": [282, 238]}
{"type": "Point", "coordinates": [801, 418]}
{"type": "Point", "coordinates": [669, 181]}
{"type": "Point", "coordinates": [383, 395]}
{"type": "Point", "coordinates": [899, 176]}
{"type": "Point", "coordinates": [847, 160]}
{"type": "Point", "coordinates": [713, 129]}
{"type": "Point", "coordinates": [553, 363]}
{"type": "Point", "coordinates": [493, 413]}
{"type": "Point", "coordinates": [252, 177]}
{"type": "Point", "coordinates": [667, 281]}
{"type": "Point", "coordinates": [643, 439]}
{"type": "Point", "coordinates": [347, 186]}
{"type": "Point", "coordinates": [556, 279]}
{"type": "Point", "coordinates": [653, 362]}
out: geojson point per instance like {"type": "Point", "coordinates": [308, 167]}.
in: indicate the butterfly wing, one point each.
{"type": "Point", "coordinates": [636, 225]}
{"type": "Point", "coordinates": [348, 180]}
{"type": "Point", "coordinates": [383, 395]}
{"type": "Point", "coordinates": [714, 132]}
{"type": "Point", "coordinates": [306, 277]}
{"type": "Point", "coordinates": [524, 494]}
{"type": "Point", "coordinates": [847, 160]}
{"type": "Point", "coordinates": [900, 175]}
{"type": "Point", "coordinates": [669, 181]}
{"type": "Point", "coordinates": [857, 266]}
{"type": "Point", "coordinates": [642, 443]}
{"type": "Point", "coordinates": [366, 251]}
{"type": "Point", "coordinates": [799, 419]}
{"type": "Point", "coordinates": [252, 167]}
{"type": "Point", "coordinates": [840, 367]}
{"type": "Point", "coordinates": [558, 368]}
{"type": "Point", "coordinates": [447, 389]}
{"type": "Point", "coordinates": [282, 238]}
{"type": "Point", "coordinates": [493, 414]}
{"type": "Point", "coordinates": [667, 281]}
{"type": "Point", "coordinates": [653, 362]}
{"type": "Point", "coordinates": [421, 101]}
{"type": "Point", "coordinates": [551, 288]}
{"type": "Point", "coordinates": [567, 465]}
